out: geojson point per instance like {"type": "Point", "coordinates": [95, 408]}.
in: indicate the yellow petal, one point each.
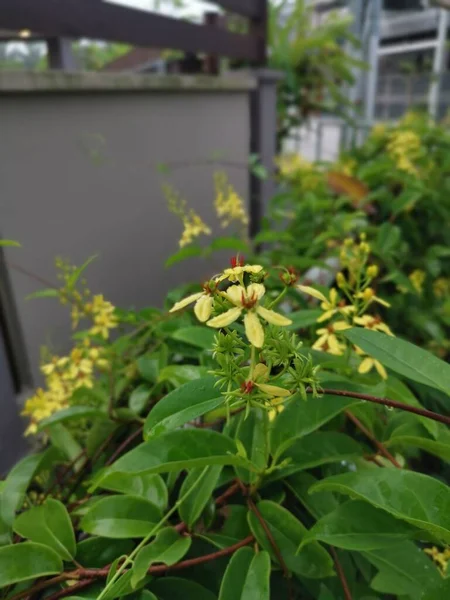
{"type": "Point", "coordinates": [186, 301]}
{"type": "Point", "coordinates": [273, 390]}
{"type": "Point", "coordinates": [256, 290]}
{"type": "Point", "coordinates": [234, 294]}
{"type": "Point", "coordinates": [254, 330]}
{"type": "Point", "coordinates": [273, 317]}
{"type": "Point", "coordinates": [341, 326]}
{"type": "Point", "coordinates": [381, 301]}
{"type": "Point", "coordinates": [326, 315]}
{"type": "Point", "coordinates": [312, 292]}
{"type": "Point", "coordinates": [366, 365]}
{"type": "Point", "coordinates": [364, 320]}
{"type": "Point", "coordinates": [321, 341]}
{"type": "Point", "coordinates": [225, 319]}
{"type": "Point", "coordinates": [203, 307]}
{"type": "Point", "coordinates": [333, 296]}
{"type": "Point", "coordinates": [384, 328]}
{"type": "Point", "coordinates": [381, 370]}
{"type": "Point", "coordinates": [334, 346]}
{"type": "Point", "coordinates": [260, 372]}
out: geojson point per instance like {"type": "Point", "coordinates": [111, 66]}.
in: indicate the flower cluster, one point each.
{"type": "Point", "coordinates": [351, 309]}
{"type": "Point", "coordinates": [241, 300]}
{"type": "Point", "coordinates": [228, 204]}
{"type": "Point", "coordinates": [63, 376]}
{"type": "Point", "coordinates": [404, 147]}
{"type": "Point", "coordinates": [299, 171]}
{"type": "Point", "coordinates": [441, 558]}
{"type": "Point", "coordinates": [417, 279]}
{"type": "Point", "coordinates": [193, 224]}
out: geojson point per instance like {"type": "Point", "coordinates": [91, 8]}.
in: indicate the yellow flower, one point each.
{"type": "Point", "coordinates": [375, 323]}
{"type": "Point", "coordinates": [441, 287]}
{"type": "Point", "coordinates": [278, 406]}
{"type": "Point", "coordinates": [203, 303]}
{"type": "Point", "coordinates": [331, 305]}
{"type": "Point", "coordinates": [229, 205]}
{"type": "Point", "coordinates": [56, 363]}
{"type": "Point", "coordinates": [378, 130]}
{"type": "Point", "coordinates": [247, 299]}
{"type": "Point", "coordinates": [236, 273]}
{"type": "Point", "coordinates": [404, 147]}
{"type": "Point", "coordinates": [372, 271]}
{"type": "Point", "coordinates": [328, 341]}
{"type": "Point", "coordinates": [368, 363]}
{"type": "Point", "coordinates": [194, 227]}
{"type": "Point", "coordinates": [417, 278]}
{"type": "Point", "coordinates": [369, 296]}
{"type": "Point", "coordinates": [440, 558]}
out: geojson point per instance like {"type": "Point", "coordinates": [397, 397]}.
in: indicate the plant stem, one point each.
{"type": "Point", "coordinates": [341, 574]}
{"type": "Point", "coordinates": [123, 446]}
{"type": "Point", "coordinates": [423, 412]}
{"type": "Point", "coordinates": [381, 447]}
{"type": "Point", "coordinates": [279, 298]}
{"type": "Point", "coordinates": [129, 559]}
{"type": "Point", "coordinates": [252, 362]}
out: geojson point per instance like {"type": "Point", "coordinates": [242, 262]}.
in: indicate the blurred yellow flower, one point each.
{"type": "Point", "coordinates": [328, 341]}
{"type": "Point", "coordinates": [417, 278]}
{"type": "Point", "coordinates": [228, 204]}
{"type": "Point", "coordinates": [331, 305]}
{"type": "Point", "coordinates": [375, 323]}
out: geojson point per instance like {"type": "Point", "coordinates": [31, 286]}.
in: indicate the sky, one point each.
{"type": "Point", "coordinates": [192, 7]}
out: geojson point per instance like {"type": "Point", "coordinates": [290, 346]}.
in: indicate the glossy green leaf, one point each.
{"type": "Point", "coordinates": [252, 431]}
{"type": "Point", "coordinates": [21, 562]}
{"type": "Point", "coordinates": [46, 293]}
{"type": "Point", "coordinates": [357, 525]}
{"type": "Point", "coordinates": [121, 517]}
{"type": "Point", "coordinates": [139, 397]}
{"type": "Point", "coordinates": [183, 254]}
{"type": "Point", "coordinates": [404, 570]}
{"type": "Point", "coordinates": [319, 448]}
{"type": "Point", "coordinates": [403, 357]}
{"type": "Point", "coordinates": [50, 525]}
{"type": "Point", "coordinates": [303, 318]}
{"type": "Point", "coordinates": [168, 548]}
{"type": "Point", "coordinates": [176, 588]}
{"type": "Point", "coordinates": [200, 337]}
{"type": "Point", "coordinates": [149, 366]}
{"type": "Point", "coordinates": [5, 531]}
{"type": "Point", "coordinates": [182, 405]}
{"type": "Point", "coordinates": [288, 532]}
{"type": "Point", "coordinates": [62, 439]}
{"type": "Point", "coordinates": [15, 486]}
{"type": "Point", "coordinates": [175, 450]}
{"type": "Point", "coordinates": [71, 414]}
{"type": "Point", "coordinates": [247, 576]}
{"type": "Point", "coordinates": [318, 505]}
{"type": "Point", "coordinates": [96, 552]}
{"type": "Point", "coordinates": [413, 497]}
{"type": "Point", "coordinates": [301, 417]}
{"type": "Point", "coordinates": [180, 374]}
{"type": "Point", "coordinates": [150, 487]}
{"type": "Point", "coordinates": [414, 435]}
{"type": "Point", "coordinates": [192, 507]}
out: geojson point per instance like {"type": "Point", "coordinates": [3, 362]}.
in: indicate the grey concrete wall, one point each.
{"type": "Point", "coordinates": [77, 177]}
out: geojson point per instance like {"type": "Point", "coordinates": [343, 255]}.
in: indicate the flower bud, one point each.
{"type": "Point", "coordinates": [372, 271]}
{"type": "Point", "coordinates": [340, 280]}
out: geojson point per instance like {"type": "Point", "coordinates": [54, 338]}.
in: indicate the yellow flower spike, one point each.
{"type": "Point", "coordinates": [248, 299]}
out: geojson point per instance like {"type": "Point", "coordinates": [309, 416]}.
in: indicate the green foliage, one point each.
{"type": "Point", "coordinates": [224, 460]}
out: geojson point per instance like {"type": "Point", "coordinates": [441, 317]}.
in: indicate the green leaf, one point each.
{"type": "Point", "coordinates": [72, 281]}
{"type": "Point", "coordinates": [319, 448]}
{"type": "Point", "coordinates": [168, 547]}
{"type": "Point", "coordinates": [192, 507]}
{"type": "Point", "coordinates": [229, 243]}
{"type": "Point", "coordinates": [416, 436]}
{"type": "Point", "coordinates": [15, 486]}
{"type": "Point", "coordinates": [149, 487]}
{"type": "Point", "coordinates": [357, 525]}
{"type": "Point", "coordinates": [303, 318]}
{"type": "Point", "coordinates": [96, 552]}
{"type": "Point", "coordinates": [139, 398]}
{"type": "Point", "coordinates": [247, 576]}
{"type": "Point", "coordinates": [62, 439]}
{"type": "Point", "coordinates": [201, 337]}
{"type": "Point", "coordinates": [318, 505]}
{"type": "Point", "coordinates": [71, 414]}
{"type": "Point", "coordinates": [149, 366]}
{"type": "Point", "coordinates": [252, 432]}
{"type": "Point", "coordinates": [10, 243]}
{"type": "Point", "coordinates": [182, 405]}
{"type": "Point", "coordinates": [404, 570]}
{"type": "Point", "coordinates": [181, 449]}
{"type": "Point", "coordinates": [288, 532]}
{"type": "Point", "coordinates": [183, 254]}
{"type": "Point", "coordinates": [21, 562]}
{"type": "Point", "coordinates": [50, 525]}
{"type": "Point", "coordinates": [175, 588]}
{"type": "Point", "coordinates": [121, 517]}
{"type": "Point", "coordinates": [413, 497]}
{"type": "Point", "coordinates": [46, 293]}
{"type": "Point", "coordinates": [301, 417]}
{"type": "Point", "coordinates": [179, 374]}
{"type": "Point", "coordinates": [402, 357]}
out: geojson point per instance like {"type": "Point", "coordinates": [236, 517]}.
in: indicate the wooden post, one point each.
{"type": "Point", "coordinates": [212, 61]}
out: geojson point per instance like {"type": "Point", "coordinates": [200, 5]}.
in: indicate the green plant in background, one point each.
{"type": "Point", "coordinates": [227, 459]}
{"type": "Point", "coordinates": [395, 189]}
{"type": "Point", "coordinates": [313, 60]}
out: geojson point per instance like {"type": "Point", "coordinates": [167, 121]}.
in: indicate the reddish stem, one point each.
{"type": "Point", "coordinates": [341, 574]}
{"type": "Point", "coordinates": [381, 448]}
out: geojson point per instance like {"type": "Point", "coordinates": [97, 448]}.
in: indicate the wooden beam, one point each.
{"type": "Point", "coordinates": [247, 8]}
{"type": "Point", "coordinates": [100, 20]}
